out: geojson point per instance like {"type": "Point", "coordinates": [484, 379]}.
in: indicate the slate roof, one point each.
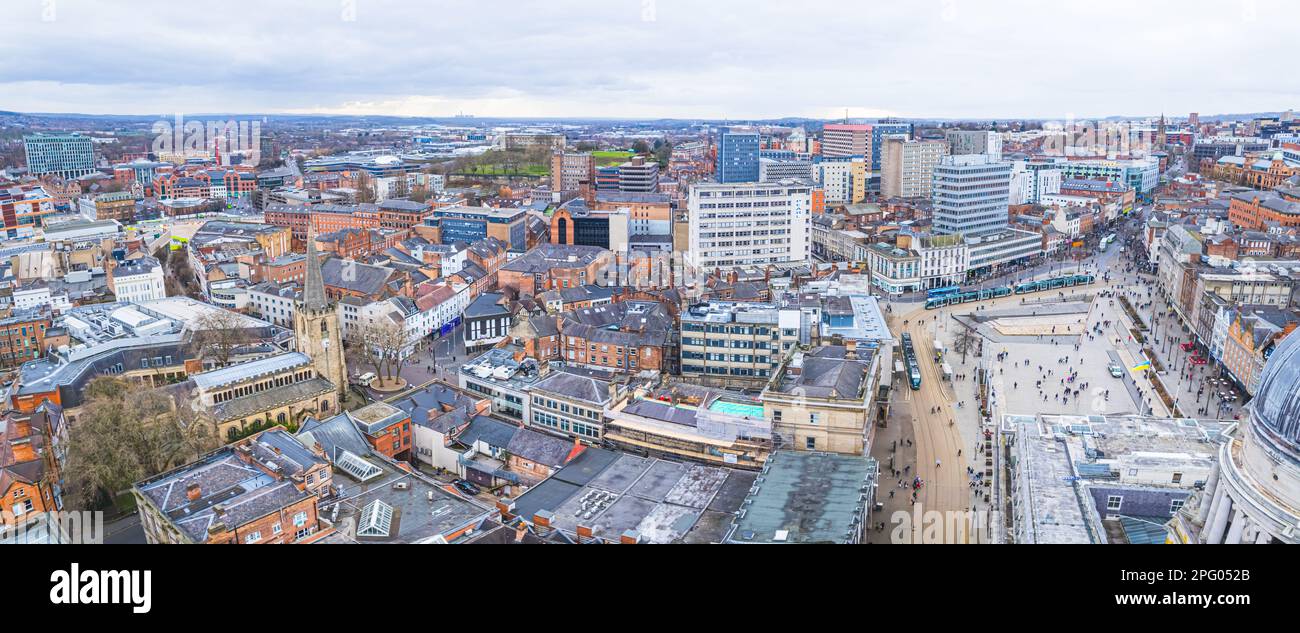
{"type": "Point", "coordinates": [366, 279]}
{"type": "Point", "coordinates": [242, 490]}
{"type": "Point", "coordinates": [257, 403]}
{"type": "Point", "coordinates": [583, 388]}
{"type": "Point", "coordinates": [334, 434]}
{"type": "Point", "coordinates": [828, 374]}
{"type": "Point", "coordinates": [426, 406]}
{"type": "Point", "coordinates": [548, 256]}
{"type": "Point", "coordinates": [488, 430]}
{"type": "Point", "coordinates": [616, 337]}
{"type": "Point", "coordinates": [486, 305]}
{"type": "Point", "coordinates": [539, 447]}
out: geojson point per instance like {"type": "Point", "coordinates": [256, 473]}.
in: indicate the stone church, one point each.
{"type": "Point", "coordinates": [285, 388]}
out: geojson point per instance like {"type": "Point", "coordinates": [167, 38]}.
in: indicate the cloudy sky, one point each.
{"type": "Point", "coordinates": [718, 59]}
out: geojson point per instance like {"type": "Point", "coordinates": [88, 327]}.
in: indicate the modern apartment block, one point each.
{"type": "Point", "coordinates": [844, 180]}
{"type": "Point", "coordinates": [907, 167]}
{"type": "Point", "coordinates": [971, 194]}
{"type": "Point", "coordinates": [736, 343]}
{"type": "Point", "coordinates": [737, 156]}
{"type": "Point", "coordinates": [749, 224]}
{"type": "Point", "coordinates": [961, 142]}
{"type": "Point", "coordinates": [1141, 174]}
{"type": "Point", "coordinates": [638, 176]}
{"type": "Point", "coordinates": [773, 169]}
{"type": "Point", "coordinates": [65, 155]}
{"type": "Point", "coordinates": [1033, 179]}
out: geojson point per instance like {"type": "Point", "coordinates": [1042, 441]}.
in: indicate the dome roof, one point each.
{"type": "Point", "coordinates": [1277, 399]}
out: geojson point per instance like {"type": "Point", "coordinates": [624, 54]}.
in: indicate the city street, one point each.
{"type": "Point", "coordinates": [1065, 374]}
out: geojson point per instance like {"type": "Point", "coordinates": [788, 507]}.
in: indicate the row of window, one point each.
{"type": "Point", "coordinates": [299, 521]}
{"type": "Point", "coordinates": [567, 426]}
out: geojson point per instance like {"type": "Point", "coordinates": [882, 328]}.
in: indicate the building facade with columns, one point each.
{"type": "Point", "coordinates": [1254, 494]}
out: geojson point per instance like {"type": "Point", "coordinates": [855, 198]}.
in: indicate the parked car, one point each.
{"type": "Point", "coordinates": [465, 487]}
{"type": "Point", "coordinates": [1115, 370]}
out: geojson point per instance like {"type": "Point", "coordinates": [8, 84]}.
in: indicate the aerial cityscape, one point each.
{"type": "Point", "coordinates": [369, 273]}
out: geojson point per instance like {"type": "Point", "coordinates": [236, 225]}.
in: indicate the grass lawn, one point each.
{"type": "Point", "coordinates": [124, 503]}
{"type": "Point", "coordinates": [605, 158]}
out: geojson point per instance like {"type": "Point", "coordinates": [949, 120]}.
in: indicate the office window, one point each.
{"type": "Point", "coordinates": [1113, 502]}
{"type": "Point", "coordinates": [810, 443]}
{"type": "Point", "coordinates": [1175, 506]}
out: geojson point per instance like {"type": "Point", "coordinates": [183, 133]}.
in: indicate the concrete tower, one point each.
{"type": "Point", "coordinates": [316, 324]}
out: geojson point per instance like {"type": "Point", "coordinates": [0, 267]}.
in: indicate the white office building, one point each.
{"type": "Point", "coordinates": [749, 223]}
{"type": "Point", "coordinates": [1033, 179]}
{"type": "Point", "coordinates": [971, 194]}
{"type": "Point", "coordinates": [772, 170]}
{"type": "Point", "coordinates": [138, 281]}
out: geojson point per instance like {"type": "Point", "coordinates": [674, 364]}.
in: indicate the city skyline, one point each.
{"type": "Point", "coordinates": [650, 59]}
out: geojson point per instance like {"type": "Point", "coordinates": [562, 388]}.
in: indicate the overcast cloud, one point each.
{"type": "Point", "coordinates": [650, 58]}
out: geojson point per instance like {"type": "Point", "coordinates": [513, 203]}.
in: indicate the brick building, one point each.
{"type": "Point", "coordinates": [22, 335]}
{"type": "Point", "coordinates": [263, 489]}
{"type": "Point", "coordinates": [555, 266]}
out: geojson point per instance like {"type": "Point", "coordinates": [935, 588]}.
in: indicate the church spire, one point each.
{"type": "Point", "coordinates": [313, 292]}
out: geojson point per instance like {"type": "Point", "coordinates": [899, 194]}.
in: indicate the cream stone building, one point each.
{"type": "Point", "coordinates": [823, 400]}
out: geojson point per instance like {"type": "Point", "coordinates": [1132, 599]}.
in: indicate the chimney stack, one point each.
{"type": "Point", "coordinates": [585, 534]}
{"type": "Point", "coordinates": [630, 537]}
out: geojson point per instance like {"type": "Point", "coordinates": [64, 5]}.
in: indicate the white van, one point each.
{"type": "Point", "coordinates": [366, 378]}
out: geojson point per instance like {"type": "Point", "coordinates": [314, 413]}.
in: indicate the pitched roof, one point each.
{"type": "Point", "coordinates": [487, 430]}
{"type": "Point", "coordinates": [539, 447]}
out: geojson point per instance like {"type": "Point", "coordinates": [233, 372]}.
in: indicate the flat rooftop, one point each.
{"type": "Point", "coordinates": [1056, 455]}
{"type": "Point", "coordinates": [399, 507]}
{"type": "Point", "coordinates": [663, 501]}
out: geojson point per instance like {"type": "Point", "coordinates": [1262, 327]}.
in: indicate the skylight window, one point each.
{"type": "Point", "coordinates": [376, 519]}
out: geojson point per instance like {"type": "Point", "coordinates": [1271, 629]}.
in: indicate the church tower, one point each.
{"type": "Point", "coordinates": [316, 326]}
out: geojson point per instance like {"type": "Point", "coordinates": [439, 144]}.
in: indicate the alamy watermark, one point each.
{"type": "Point", "coordinates": [193, 139]}
{"type": "Point", "coordinates": [1097, 138]}
{"type": "Point", "coordinates": [932, 527]}
{"type": "Point", "coordinates": [55, 527]}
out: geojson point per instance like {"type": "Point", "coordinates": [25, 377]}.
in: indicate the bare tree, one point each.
{"type": "Point", "coordinates": [365, 188]}
{"type": "Point", "coordinates": [123, 436]}
{"type": "Point", "coordinates": [381, 345]}
{"type": "Point", "coordinates": [963, 341]}
{"type": "Point", "coordinates": [218, 333]}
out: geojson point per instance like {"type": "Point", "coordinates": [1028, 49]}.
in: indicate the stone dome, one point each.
{"type": "Point", "coordinates": [1276, 406]}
